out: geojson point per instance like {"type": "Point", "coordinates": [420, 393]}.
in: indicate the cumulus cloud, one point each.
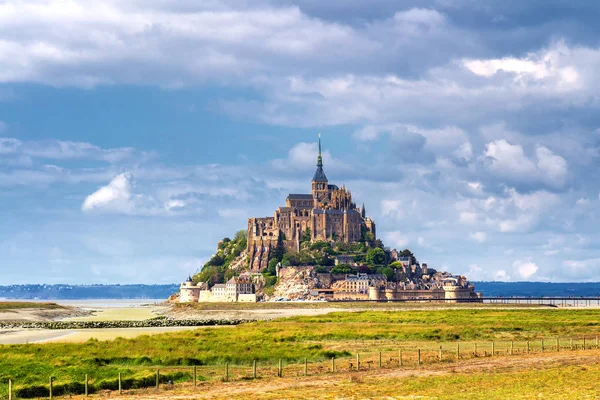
{"type": "Point", "coordinates": [396, 239]}
{"type": "Point", "coordinates": [478, 236]}
{"type": "Point", "coordinates": [393, 209]}
{"type": "Point", "coordinates": [525, 268]}
{"type": "Point", "coordinates": [508, 161]}
{"type": "Point", "coordinates": [65, 150]}
{"type": "Point", "coordinates": [116, 196]}
{"type": "Point", "coordinates": [554, 66]}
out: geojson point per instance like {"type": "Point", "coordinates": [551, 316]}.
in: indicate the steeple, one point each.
{"type": "Point", "coordinates": [319, 174]}
{"type": "Point", "coordinates": [319, 157]}
{"type": "Point", "coordinates": [362, 211]}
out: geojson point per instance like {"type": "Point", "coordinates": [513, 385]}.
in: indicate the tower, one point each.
{"type": "Point", "coordinates": [319, 181]}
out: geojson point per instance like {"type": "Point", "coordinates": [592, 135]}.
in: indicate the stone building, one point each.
{"type": "Point", "coordinates": [237, 289]}
{"type": "Point", "coordinates": [328, 213]}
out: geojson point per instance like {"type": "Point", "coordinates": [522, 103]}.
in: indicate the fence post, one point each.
{"type": "Point", "coordinates": [542, 345]}
{"type": "Point", "coordinates": [475, 351]}
{"type": "Point", "coordinates": [557, 344]}
{"type": "Point", "coordinates": [457, 351]}
{"type": "Point", "coordinates": [305, 367]}
{"type": "Point", "coordinates": [195, 375]}
{"type": "Point", "coordinates": [86, 385]}
{"type": "Point", "coordinates": [596, 341]}
{"type": "Point", "coordinates": [418, 356]}
{"type": "Point", "coordinates": [120, 386]}
{"type": "Point", "coordinates": [380, 360]}
{"type": "Point", "coordinates": [440, 353]}
{"type": "Point", "coordinates": [226, 372]}
{"type": "Point", "coordinates": [10, 389]}
{"type": "Point", "coordinates": [280, 372]}
{"type": "Point", "coordinates": [50, 387]}
{"type": "Point", "coordinates": [511, 348]}
{"type": "Point", "coordinates": [528, 348]}
{"type": "Point", "coordinates": [571, 341]}
{"type": "Point", "coordinates": [584, 342]}
{"type": "Point", "coordinates": [254, 369]}
{"type": "Point", "coordinates": [400, 358]}
{"type": "Point", "coordinates": [332, 364]}
{"type": "Point", "coordinates": [157, 379]}
{"type": "Point", "coordinates": [493, 348]}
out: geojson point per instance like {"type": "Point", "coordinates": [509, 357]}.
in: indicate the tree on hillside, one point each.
{"type": "Point", "coordinates": [409, 254]}
{"type": "Point", "coordinates": [306, 237]}
{"type": "Point", "coordinates": [375, 256]}
{"type": "Point", "coordinates": [389, 273]}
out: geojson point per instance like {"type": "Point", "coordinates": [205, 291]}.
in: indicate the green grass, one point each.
{"type": "Point", "coordinates": [10, 306]}
{"type": "Point", "coordinates": [292, 339]}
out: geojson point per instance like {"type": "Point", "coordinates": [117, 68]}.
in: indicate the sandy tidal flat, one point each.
{"type": "Point", "coordinates": [81, 335]}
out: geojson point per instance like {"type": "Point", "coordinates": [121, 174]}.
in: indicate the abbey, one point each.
{"type": "Point", "coordinates": [326, 214]}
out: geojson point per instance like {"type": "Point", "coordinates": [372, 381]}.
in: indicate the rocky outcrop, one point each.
{"type": "Point", "coordinates": [296, 283]}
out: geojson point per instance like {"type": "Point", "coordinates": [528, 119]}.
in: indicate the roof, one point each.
{"type": "Point", "coordinates": [319, 175]}
{"type": "Point", "coordinates": [219, 285]}
{"type": "Point", "coordinates": [297, 196]}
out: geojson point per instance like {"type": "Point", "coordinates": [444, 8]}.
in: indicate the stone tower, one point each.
{"type": "Point", "coordinates": [320, 189]}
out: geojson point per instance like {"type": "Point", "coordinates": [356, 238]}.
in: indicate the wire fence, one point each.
{"type": "Point", "coordinates": [168, 377]}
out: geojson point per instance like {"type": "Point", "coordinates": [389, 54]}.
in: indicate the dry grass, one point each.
{"type": "Point", "coordinates": [550, 375]}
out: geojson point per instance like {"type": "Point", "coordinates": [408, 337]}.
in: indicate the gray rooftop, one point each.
{"type": "Point", "coordinates": [300, 196]}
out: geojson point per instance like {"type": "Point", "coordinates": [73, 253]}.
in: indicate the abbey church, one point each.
{"type": "Point", "coordinates": [327, 214]}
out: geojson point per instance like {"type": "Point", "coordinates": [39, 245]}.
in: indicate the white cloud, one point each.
{"type": "Point", "coordinates": [509, 161]}
{"type": "Point", "coordinates": [525, 268]}
{"type": "Point", "coordinates": [116, 196]}
{"type": "Point", "coordinates": [468, 218]}
{"type": "Point", "coordinates": [557, 66]}
{"type": "Point", "coordinates": [64, 150]}
{"type": "Point", "coordinates": [396, 239]}
{"type": "Point", "coordinates": [552, 166]}
{"type": "Point", "coordinates": [393, 209]}
{"type": "Point", "coordinates": [478, 236]}
{"type": "Point", "coordinates": [303, 157]}
{"type": "Point", "coordinates": [501, 275]}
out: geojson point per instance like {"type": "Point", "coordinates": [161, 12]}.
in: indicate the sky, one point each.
{"type": "Point", "coordinates": [135, 135]}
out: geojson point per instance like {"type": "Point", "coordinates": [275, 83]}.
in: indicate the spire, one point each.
{"type": "Point", "coordinates": [362, 211]}
{"type": "Point", "coordinates": [319, 174]}
{"type": "Point", "coordinates": [319, 157]}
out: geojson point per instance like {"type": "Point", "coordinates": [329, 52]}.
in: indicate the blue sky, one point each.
{"type": "Point", "coordinates": [135, 135]}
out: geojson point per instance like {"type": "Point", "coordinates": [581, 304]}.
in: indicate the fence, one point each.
{"type": "Point", "coordinates": [167, 377]}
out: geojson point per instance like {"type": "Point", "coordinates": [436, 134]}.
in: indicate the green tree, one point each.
{"type": "Point", "coordinates": [306, 236]}
{"type": "Point", "coordinates": [389, 273]}
{"type": "Point", "coordinates": [375, 256]}
{"type": "Point", "coordinates": [409, 254]}
{"type": "Point", "coordinates": [342, 269]}
{"type": "Point", "coordinates": [272, 267]}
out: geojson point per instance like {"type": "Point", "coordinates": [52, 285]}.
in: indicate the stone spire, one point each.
{"type": "Point", "coordinates": [319, 174]}
{"type": "Point", "coordinates": [362, 211]}
{"type": "Point", "coordinates": [320, 157]}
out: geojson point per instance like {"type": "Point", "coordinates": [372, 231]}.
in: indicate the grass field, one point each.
{"type": "Point", "coordinates": [8, 306]}
{"type": "Point", "coordinates": [538, 376]}
{"type": "Point", "coordinates": [317, 338]}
